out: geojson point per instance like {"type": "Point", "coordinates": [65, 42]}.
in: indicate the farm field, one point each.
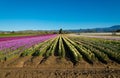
{"type": "Point", "coordinates": [14, 35]}
{"type": "Point", "coordinates": [101, 34]}
{"type": "Point", "coordinates": [59, 56]}
{"type": "Point", "coordinates": [109, 36]}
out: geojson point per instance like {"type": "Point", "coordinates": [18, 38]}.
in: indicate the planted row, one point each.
{"type": "Point", "coordinates": [99, 49]}
{"type": "Point", "coordinates": [74, 49]}
{"type": "Point", "coordinates": [63, 47]}
{"type": "Point", "coordinates": [15, 47]}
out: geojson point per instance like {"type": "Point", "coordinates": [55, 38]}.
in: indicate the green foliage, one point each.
{"type": "Point", "coordinates": [73, 48]}
{"type": "Point", "coordinates": [52, 48]}
{"type": "Point", "coordinates": [73, 51]}
{"type": "Point", "coordinates": [105, 47]}
{"type": "Point", "coordinates": [36, 53]}
{"type": "Point", "coordinates": [61, 50]}
{"type": "Point", "coordinates": [25, 33]}
{"type": "Point", "coordinates": [86, 53]}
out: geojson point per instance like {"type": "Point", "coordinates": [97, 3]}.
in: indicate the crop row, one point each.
{"type": "Point", "coordinates": [75, 49]}
{"type": "Point", "coordinates": [102, 48]}
{"type": "Point", "coordinates": [14, 47]}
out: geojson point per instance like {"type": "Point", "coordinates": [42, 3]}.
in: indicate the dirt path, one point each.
{"type": "Point", "coordinates": [59, 73]}
{"type": "Point", "coordinates": [53, 67]}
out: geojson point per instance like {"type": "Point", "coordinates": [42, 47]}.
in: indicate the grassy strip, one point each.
{"type": "Point", "coordinates": [16, 34]}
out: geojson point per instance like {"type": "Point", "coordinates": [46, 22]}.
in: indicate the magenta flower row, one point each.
{"type": "Point", "coordinates": [26, 42]}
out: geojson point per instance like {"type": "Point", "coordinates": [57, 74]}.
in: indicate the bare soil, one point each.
{"type": "Point", "coordinates": [56, 67]}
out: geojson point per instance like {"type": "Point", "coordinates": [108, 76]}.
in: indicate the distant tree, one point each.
{"type": "Point", "coordinates": [60, 31]}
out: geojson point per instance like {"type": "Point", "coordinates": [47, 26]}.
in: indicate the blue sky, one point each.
{"type": "Point", "coordinates": [56, 14]}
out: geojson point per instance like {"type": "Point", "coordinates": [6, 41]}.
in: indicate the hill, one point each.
{"type": "Point", "coordinates": [107, 29]}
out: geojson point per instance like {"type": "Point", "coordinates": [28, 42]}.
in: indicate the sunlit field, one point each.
{"type": "Point", "coordinates": [59, 55]}
{"type": "Point", "coordinates": [101, 34]}
{"type": "Point", "coordinates": [59, 38]}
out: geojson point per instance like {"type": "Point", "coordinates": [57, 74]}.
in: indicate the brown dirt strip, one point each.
{"type": "Point", "coordinates": [58, 73]}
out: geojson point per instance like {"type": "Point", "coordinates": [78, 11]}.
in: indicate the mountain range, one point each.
{"type": "Point", "coordinates": [106, 29]}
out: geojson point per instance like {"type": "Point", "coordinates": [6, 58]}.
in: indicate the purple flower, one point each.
{"type": "Point", "coordinates": [24, 42]}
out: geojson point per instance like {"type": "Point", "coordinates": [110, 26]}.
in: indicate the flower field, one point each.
{"type": "Point", "coordinates": [64, 46]}
{"type": "Point", "coordinates": [15, 45]}
{"type": "Point", "coordinates": [61, 51]}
